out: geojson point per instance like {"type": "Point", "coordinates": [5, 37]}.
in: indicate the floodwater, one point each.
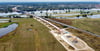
{"type": "Point", "coordinates": [4, 20]}
{"type": "Point", "coordinates": [66, 14]}
{"type": "Point", "coordinates": [10, 13]}
{"type": "Point", "coordinates": [5, 30]}
{"type": "Point", "coordinates": [93, 16]}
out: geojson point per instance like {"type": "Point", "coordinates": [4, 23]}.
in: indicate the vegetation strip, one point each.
{"type": "Point", "coordinates": [5, 24]}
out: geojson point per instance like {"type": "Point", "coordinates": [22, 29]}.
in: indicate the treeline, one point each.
{"type": "Point", "coordinates": [33, 6]}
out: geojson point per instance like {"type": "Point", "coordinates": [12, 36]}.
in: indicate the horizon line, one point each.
{"type": "Point", "coordinates": [60, 1]}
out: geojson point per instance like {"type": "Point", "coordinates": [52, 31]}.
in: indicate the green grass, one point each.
{"type": "Point", "coordinates": [92, 25]}
{"type": "Point", "coordinates": [38, 39]}
{"type": "Point", "coordinates": [66, 16]}
{"type": "Point", "coordinates": [5, 24]}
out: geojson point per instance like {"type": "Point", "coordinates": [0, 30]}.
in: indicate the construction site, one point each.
{"type": "Point", "coordinates": [67, 39]}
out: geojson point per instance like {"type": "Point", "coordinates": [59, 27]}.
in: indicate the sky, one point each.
{"type": "Point", "coordinates": [48, 0]}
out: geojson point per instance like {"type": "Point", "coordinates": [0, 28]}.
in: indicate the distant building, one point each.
{"type": "Point", "coordinates": [15, 9]}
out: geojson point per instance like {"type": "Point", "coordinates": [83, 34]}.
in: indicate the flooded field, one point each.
{"type": "Point", "coordinates": [4, 20]}
{"type": "Point", "coordinates": [5, 30]}
{"type": "Point", "coordinates": [93, 16]}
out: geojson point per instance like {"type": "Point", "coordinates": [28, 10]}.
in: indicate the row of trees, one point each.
{"type": "Point", "coordinates": [83, 13]}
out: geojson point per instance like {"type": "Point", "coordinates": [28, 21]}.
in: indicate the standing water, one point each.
{"type": "Point", "coordinates": [4, 31]}
{"type": "Point", "coordinates": [93, 16]}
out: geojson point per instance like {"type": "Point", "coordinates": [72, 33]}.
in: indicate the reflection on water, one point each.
{"type": "Point", "coordinates": [4, 31]}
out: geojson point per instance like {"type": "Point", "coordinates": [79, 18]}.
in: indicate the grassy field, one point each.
{"type": "Point", "coordinates": [5, 24]}
{"type": "Point", "coordinates": [30, 36]}
{"type": "Point", "coordinates": [67, 13]}
{"type": "Point", "coordinates": [66, 16]}
{"type": "Point", "coordinates": [91, 25]}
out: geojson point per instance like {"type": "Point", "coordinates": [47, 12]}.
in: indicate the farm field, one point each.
{"type": "Point", "coordinates": [30, 36]}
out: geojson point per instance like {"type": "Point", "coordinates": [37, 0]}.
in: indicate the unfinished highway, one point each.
{"type": "Point", "coordinates": [66, 38]}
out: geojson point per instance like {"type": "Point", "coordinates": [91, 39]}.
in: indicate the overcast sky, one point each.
{"type": "Point", "coordinates": [46, 0]}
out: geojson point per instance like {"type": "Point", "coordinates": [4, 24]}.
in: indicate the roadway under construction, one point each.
{"type": "Point", "coordinates": [67, 39]}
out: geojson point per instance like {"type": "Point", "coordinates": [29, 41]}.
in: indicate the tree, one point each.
{"type": "Point", "coordinates": [98, 11]}
{"type": "Point", "coordinates": [41, 12]}
{"type": "Point", "coordinates": [50, 15]}
{"type": "Point", "coordinates": [10, 20]}
{"type": "Point", "coordinates": [81, 12]}
{"type": "Point", "coordinates": [68, 10]}
{"type": "Point", "coordinates": [65, 26]}
{"type": "Point", "coordinates": [91, 14]}
{"type": "Point", "coordinates": [84, 15]}
{"type": "Point", "coordinates": [31, 16]}
{"type": "Point", "coordinates": [78, 16]}
{"type": "Point", "coordinates": [88, 12]}
{"type": "Point", "coordinates": [46, 14]}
